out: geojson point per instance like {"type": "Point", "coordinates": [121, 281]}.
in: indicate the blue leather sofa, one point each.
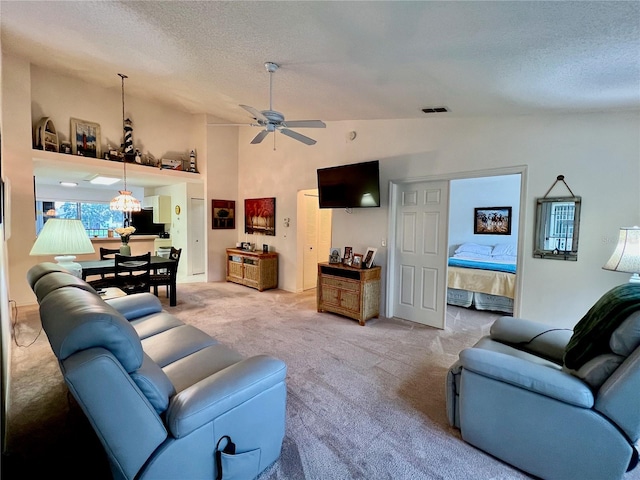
{"type": "Point", "coordinates": [514, 396]}
{"type": "Point", "coordinates": [158, 393]}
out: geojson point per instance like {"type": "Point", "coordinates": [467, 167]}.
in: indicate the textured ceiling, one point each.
{"type": "Point", "coordinates": [344, 60]}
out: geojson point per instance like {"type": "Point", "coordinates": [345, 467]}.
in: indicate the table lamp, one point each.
{"type": "Point", "coordinates": [65, 238]}
{"type": "Point", "coordinates": [626, 256]}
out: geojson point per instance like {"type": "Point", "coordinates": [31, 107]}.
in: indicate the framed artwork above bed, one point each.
{"type": "Point", "coordinates": [492, 221]}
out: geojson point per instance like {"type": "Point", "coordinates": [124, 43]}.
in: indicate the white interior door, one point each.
{"type": "Point", "coordinates": [421, 246]}
{"type": "Point", "coordinates": [317, 237]}
{"type": "Point", "coordinates": [196, 236]}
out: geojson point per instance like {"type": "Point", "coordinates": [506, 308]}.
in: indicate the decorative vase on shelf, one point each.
{"type": "Point", "coordinates": [125, 249]}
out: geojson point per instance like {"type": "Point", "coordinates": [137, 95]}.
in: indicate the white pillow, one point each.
{"type": "Point", "coordinates": [474, 248]}
{"type": "Point", "coordinates": [504, 249]}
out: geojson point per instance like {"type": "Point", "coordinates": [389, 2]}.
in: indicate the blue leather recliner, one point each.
{"type": "Point", "coordinates": [160, 394]}
{"type": "Point", "coordinates": [556, 403]}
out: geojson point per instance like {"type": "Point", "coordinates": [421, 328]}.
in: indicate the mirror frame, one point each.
{"type": "Point", "coordinates": [538, 242]}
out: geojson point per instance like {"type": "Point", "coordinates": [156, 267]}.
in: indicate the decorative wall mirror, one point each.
{"type": "Point", "coordinates": [557, 228]}
{"type": "Point", "coordinates": [557, 225]}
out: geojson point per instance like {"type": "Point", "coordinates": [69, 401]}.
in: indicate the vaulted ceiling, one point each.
{"type": "Point", "coordinates": [344, 60]}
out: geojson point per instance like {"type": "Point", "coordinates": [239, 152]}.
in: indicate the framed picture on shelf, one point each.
{"type": "Point", "coordinates": [85, 138]}
{"type": "Point", "coordinates": [348, 252]}
{"type": "Point", "coordinates": [223, 214]}
{"type": "Point", "coordinates": [335, 255]}
{"type": "Point", "coordinates": [357, 260]}
{"type": "Point", "coordinates": [260, 216]}
{"type": "Point", "coordinates": [369, 256]}
{"type": "Point", "coordinates": [492, 221]}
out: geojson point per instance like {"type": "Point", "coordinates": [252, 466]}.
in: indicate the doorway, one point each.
{"type": "Point", "coordinates": [419, 241]}
{"type": "Point", "coordinates": [313, 238]}
{"type": "Point", "coordinates": [196, 236]}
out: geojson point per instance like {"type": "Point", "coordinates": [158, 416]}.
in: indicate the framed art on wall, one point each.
{"type": "Point", "coordinates": [260, 216]}
{"type": "Point", "coordinates": [85, 138]}
{"type": "Point", "coordinates": [492, 221]}
{"type": "Point", "coordinates": [223, 214]}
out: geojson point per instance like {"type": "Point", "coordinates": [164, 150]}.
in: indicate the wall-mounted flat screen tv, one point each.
{"type": "Point", "coordinates": [350, 186]}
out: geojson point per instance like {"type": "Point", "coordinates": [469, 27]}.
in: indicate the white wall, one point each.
{"type": "Point", "coordinates": [466, 194]}
{"type": "Point", "coordinates": [597, 153]}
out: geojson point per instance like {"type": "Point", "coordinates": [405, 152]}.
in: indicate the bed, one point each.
{"type": "Point", "coordinates": [483, 277]}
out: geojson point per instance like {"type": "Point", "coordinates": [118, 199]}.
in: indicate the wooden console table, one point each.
{"type": "Point", "coordinates": [253, 269]}
{"type": "Point", "coordinates": [349, 291]}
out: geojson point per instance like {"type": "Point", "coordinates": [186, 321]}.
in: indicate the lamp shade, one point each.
{"type": "Point", "coordinates": [125, 202]}
{"type": "Point", "coordinates": [64, 238]}
{"type": "Point", "coordinates": [626, 256]}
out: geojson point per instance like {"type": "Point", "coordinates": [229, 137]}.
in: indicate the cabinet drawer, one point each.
{"type": "Point", "coordinates": [341, 283]}
{"type": "Point", "coordinates": [251, 272]}
{"type": "Point", "coordinates": [350, 301]}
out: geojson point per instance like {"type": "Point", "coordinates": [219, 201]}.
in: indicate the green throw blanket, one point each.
{"type": "Point", "coordinates": [591, 334]}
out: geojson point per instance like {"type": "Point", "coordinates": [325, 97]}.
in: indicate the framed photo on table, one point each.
{"type": "Point", "coordinates": [348, 255]}
{"type": "Point", "coordinates": [85, 138]}
{"type": "Point", "coordinates": [368, 257]}
{"type": "Point", "coordinates": [357, 260]}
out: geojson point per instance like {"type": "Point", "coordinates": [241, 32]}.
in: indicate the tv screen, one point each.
{"type": "Point", "coordinates": [350, 186]}
{"type": "Point", "coordinates": [143, 221]}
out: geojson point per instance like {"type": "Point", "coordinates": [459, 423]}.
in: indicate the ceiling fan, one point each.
{"type": "Point", "coordinates": [272, 120]}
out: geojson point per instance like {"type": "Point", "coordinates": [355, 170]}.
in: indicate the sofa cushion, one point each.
{"type": "Point", "coordinates": [136, 305]}
{"type": "Point", "coordinates": [596, 371]}
{"type": "Point", "coordinates": [626, 337]}
{"type": "Point", "coordinates": [171, 345]}
{"type": "Point", "coordinates": [155, 323]}
{"type": "Point", "coordinates": [155, 385]}
{"type": "Point", "coordinates": [54, 280]}
{"type": "Point", "coordinates": [191, 369]}
{"type": "Point", "coordinates": [88, 322]}
{"type": "Point", "coordinates": [38, 271]}
{"type": "Point", "coordinates": [592, 333]}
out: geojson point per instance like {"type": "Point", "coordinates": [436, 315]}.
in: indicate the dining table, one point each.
{"type": "Point", "coordinates": [106, 266]}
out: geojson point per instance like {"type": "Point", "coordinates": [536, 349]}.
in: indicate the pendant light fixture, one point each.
{"type": "Point", "coordinates": [125, 202]}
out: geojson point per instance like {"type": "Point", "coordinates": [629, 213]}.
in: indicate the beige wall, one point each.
{"type": "Point", "coordinates": [598, 153]}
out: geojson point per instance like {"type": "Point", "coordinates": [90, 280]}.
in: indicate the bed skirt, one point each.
{"type": "Point", "coordinates": [481, 301]}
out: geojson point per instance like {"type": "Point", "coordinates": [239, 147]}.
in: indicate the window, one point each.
{"type": "Point", "coordinates": [96, 217]}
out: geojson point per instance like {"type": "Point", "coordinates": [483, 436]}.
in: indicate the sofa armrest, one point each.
{"type": "Point", "coordinates": [528, 375]}
{"type": "Point", "coordinates": [221, 392]}
{"type": "Point", "coordinates": [537, 338]}
{"type": "Point", "coordinates": [136, 305]}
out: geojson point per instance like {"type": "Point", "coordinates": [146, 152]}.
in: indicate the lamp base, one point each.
{"type": "Point", "coordinates": [67, 262]}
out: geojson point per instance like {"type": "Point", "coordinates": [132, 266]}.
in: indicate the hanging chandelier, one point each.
{"type": "Point", "coordinates": [125, 201]}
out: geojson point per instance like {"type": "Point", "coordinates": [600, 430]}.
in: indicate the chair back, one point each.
{"type": "Point", "coordinates": [175, 255]}
{"type": "Point", "coordinates": [133, 272]}
{"type": "Point", "coordinates": [106, 253]}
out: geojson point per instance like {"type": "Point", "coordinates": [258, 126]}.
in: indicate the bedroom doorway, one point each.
{"type": "Point", "coordinates": [400, 291]}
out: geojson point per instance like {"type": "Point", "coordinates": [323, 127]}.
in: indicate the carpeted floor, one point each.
{"type": "Point", "coordinates": [363, 402]}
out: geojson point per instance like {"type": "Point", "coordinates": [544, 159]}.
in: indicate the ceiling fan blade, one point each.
{"type": "Point", "coordinates": [258, 138]}
{"type": "Point", "coordinates": [304, 124]}
{"type": "Point", "coordinates": [257, 114]}
{"type": "Point", "coordinates": [297, 136]}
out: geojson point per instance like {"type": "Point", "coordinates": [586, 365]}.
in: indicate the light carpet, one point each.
{"type": "Point", "coordinates": [363, 402]}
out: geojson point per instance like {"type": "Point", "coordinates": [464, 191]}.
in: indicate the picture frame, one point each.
{"type": "Point", "coordinates": [348, 252]}
{"type": "Point", "coordinates": [260, 216]}
{"type": "Point", "coordinates": [335, 255]}
{"type": "Point", "coordinates": [357, 260]}
{"type": "Point", "coordinates": [492, 221]}
{"type": "Point", "coordinates": [367, 261]}
{"type": "Point", "coordinates": [223, 214]}
{"type": "Point", "coordinates": [85, 138]}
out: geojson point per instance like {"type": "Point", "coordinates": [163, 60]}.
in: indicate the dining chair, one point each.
{"type": "Point", "coordinates": [105, 280]}
{"type": "Point", "coordinates": [132, 273]}
{"type": "Point", "coordinates": [164, 278]}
